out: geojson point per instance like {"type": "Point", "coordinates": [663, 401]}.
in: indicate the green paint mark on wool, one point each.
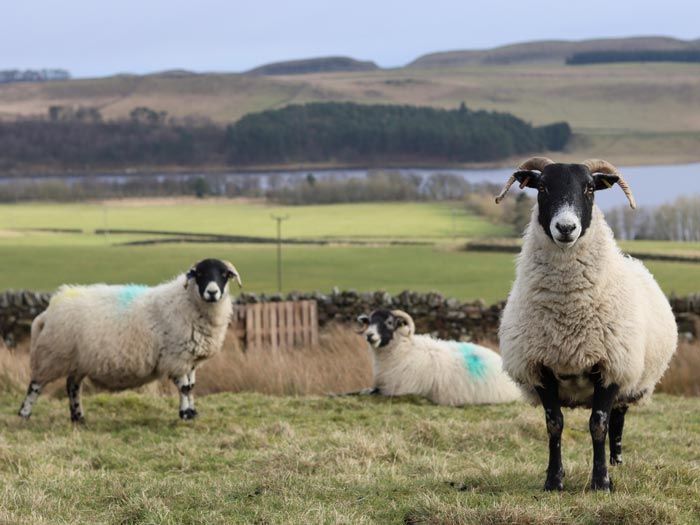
{"type": "Point", "coordinates": [473, 362]}
{"type": "Point", "coordinates": [129, 293]}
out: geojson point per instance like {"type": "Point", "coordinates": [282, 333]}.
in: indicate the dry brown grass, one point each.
{"type": "Point", "coordinates": [683, 374]}
{"type": "Point", "coordinates": [341, 363]}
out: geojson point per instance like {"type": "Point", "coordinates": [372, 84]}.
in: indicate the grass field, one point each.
{"type": "Point", "coordinates": [42, 261]}
{"type": "Point", "coordinates": [252, 458]}
{"type": "Point", "coordinates": [404, 221]}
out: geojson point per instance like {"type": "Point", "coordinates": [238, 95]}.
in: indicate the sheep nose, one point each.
{"type": "Point", "coordinates": [565, 229]}
{"type": "Point", "coordinates": [210, 294]}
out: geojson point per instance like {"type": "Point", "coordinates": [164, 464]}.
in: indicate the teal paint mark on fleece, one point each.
{"type": "Point", "coordinates": [129, 293]}
{"type": "Point", "coordinates": [474, 364]}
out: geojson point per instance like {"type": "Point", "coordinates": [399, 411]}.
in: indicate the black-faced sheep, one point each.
{"type": "Point", "coordinates": [126, 336]}
{"type": "Point", "coordinates": [583, 325]}
{"type": "Point", "coordinates": [446, 372]}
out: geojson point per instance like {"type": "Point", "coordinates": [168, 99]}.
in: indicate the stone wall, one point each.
{"type": "Point", "coordinates": [443, 317]}
{"type": "Point", "coordinates": [17, 310]}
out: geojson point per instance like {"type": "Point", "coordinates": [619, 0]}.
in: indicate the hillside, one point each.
{"type": "Point", "coordinates": [314, 65]}
{"type": "Point", "coordinates": [553, 51]}
{"type": "Point", "coordinates": [634, 113]}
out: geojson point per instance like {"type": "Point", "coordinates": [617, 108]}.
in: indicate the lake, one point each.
{"type": "Point", "coordinates": [651, 185]}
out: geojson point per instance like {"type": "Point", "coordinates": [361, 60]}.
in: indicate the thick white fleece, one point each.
{"type": "Point", "coordinates": [446, 372]}
{"type": "Point", "coordinates": [125, 336]}
{"type": "Point", "coordinates": [570, 309]}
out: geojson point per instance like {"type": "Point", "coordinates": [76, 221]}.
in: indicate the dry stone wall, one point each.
{"type": "Point", "coordinates": [435, 314]}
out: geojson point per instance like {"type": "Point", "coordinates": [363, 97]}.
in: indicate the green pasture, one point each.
{"type": "Point", "coordinates": [252, 458]}
{"type": "Point", "coordinates": [403, 221]}
{"type": "Point", "coordinates": [466, 275]}
{"type": "Point", "coordinates": [306, 268]}
{"type": "Point", "coordinates": [41, 260]}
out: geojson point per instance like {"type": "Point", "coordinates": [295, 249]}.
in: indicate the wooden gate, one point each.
{"type": "Point", "coordinates": [277, 325]}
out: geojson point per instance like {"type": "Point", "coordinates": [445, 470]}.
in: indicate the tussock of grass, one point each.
{"type": "Point", "coordinates": [252, 458]}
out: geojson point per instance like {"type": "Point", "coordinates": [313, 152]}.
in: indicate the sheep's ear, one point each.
{"type": "Point", "coordinates": [399, 322]}
{"type": "Point", "coordinates": [191, 274]}
{"type": "Point", "coordinates": [527, 178]}
{"type": "Point", "coordinates": [604, 181]}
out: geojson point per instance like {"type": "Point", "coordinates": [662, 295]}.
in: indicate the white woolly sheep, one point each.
{"type": "Point", "coordinates": [446, 372]}
{"type": "Point", "coordinates": [126, 336]}
{"type": "Point", "coordinates": [583, 324]}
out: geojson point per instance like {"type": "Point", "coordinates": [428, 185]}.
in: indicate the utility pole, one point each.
{"type": "Point", "coordinates": [279, 220]}
{"type": "Point", "coordinates": [454, 224]}
{"type": "Point", "coordinates": [105, 221]}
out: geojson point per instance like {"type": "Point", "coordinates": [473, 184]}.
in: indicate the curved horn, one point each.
{"type": "Point", "coordinates": [235, 273]}
{"type": "Point", "coordinates": [533, 163]}
{"type": "Point", "coordinates": [364, 321]}
{"type": "Point", "coordinates": [603, 166]}
{"type": "Point", "coordinates": [409, 320]}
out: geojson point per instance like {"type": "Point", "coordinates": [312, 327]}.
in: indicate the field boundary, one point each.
{"type": "Point", "coordinates": [515, 248]}
{"type": "Point", "coordinates": [444, 317]}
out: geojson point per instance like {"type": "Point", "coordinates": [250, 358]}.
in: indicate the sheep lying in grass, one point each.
{"type": "Point", "coordinates": [446, 372]}
{"type": "Point", "coordinates": [126, 336]}
{"type": "Point", "coordinates": [583, 325]}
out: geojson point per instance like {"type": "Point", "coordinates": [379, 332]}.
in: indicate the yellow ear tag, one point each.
{"type": "Point", "coordinates": [605, 181]}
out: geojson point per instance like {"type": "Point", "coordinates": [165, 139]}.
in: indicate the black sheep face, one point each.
{"type": "Point", "coordinates": [211, 277]}
{"type": "Point", "coordinates": [379, 327]}
{"type": "Point", "coordinates": [565, 195]}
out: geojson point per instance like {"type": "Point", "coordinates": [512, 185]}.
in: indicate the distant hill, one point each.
{"type": "Point", "coordinates": [556, 51]}
{"type": "Point", "coordinates": [313, 65]}
{"type": "Point", "coordinates": [638, 112]}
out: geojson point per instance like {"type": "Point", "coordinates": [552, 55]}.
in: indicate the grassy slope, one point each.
{"type": "Point", "coordinates": [252, 458]}
{"type": "Point", "coordinates": [621, 110]}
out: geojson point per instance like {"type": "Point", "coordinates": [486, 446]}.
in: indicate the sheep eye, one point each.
{"type": "Point", "coordinates": [542, 189]}
{"type": "Point", "coordinates": [589, 189]}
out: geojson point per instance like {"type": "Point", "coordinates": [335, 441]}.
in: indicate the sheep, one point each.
{"type": "Point", "coordinates": [583, 326]}
{"type": "Point", "coordinates": [446, 372]}
{"type": "Point", "coordinates": [126, 336]}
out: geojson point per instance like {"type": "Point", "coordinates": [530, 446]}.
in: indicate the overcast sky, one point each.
{"type": "Point", "coordinates": [97, 38]}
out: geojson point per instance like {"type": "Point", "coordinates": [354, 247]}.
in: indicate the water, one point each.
{"type": "Point", "coordinates": [651, 185]}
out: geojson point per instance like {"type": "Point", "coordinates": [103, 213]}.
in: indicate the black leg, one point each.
{"type": "Point", "coordinates": [73, 385]}
{"type": "Point", "coordinates": [549, 395]}
{"type": "Point", "coordinates": [33, 392]}
{"type": "Point", "coordinates": [617, 423]}
{"type": "Point", "coordinates": [603, 398]}
{"type": "Point", "coordinates": [184, 388]}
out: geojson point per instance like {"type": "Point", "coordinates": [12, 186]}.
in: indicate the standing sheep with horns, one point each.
{"type": "Point", "coordinates": [583, 325]}
{"type": "Point", "coordinates": [126, 336]}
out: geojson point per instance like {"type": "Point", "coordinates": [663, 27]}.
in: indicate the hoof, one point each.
{"type": "Point", "coordinates": [616, 460]}
{"type": "Point", "coordinates": [554, 482]}
{"type": "Point", "coordinates": [188, 414]}
{"type": "Point", "coordinates": [554, 485]}
{"type": "Point", "coordinates": [25, 417]}
{"type": "Point", "coordinates": [602, 484]}
{"type": "Point", "coordinates": [78, 420]}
